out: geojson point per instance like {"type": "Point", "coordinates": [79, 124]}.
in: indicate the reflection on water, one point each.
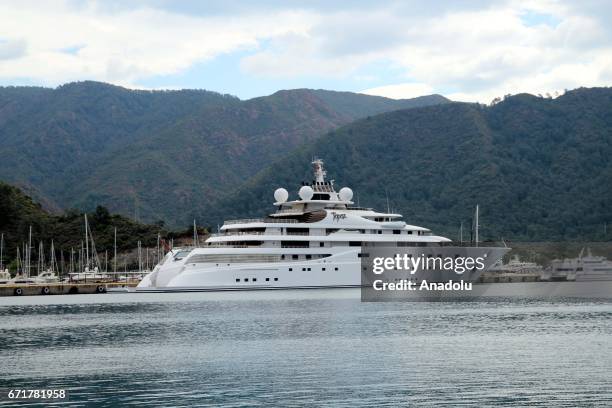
{"type": "Point", "coordinates": [295, 348]}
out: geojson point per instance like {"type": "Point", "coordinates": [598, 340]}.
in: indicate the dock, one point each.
{"type": "Point", "coordinates": [489, 277]}
{"type": "Point", "coordinates": [60, 288]}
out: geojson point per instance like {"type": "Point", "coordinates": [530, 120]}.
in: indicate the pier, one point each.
{"type": "Point", "coordinates": [60, 288]}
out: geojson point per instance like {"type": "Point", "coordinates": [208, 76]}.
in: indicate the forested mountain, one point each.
{"type": "Point", "coordinates": [540, 169]}
{"type": "Point", "coordinates": [18, 212]}
{"type": "Point", "coordinates": [159, 154]}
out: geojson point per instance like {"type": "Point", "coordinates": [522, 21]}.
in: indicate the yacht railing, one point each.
{"type": "Point", "coordinates": [231, 233]}
{"type": "Point", "coordinates": [264, 220]}
{"type": "Point", "coordinates": [244, 221]}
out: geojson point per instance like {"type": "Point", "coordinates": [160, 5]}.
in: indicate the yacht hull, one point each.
{"type": "Point", "coordinates": [340, 270]}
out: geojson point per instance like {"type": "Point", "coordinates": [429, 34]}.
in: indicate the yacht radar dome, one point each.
{"type": "Point", "coordinates": [346, 194]}
{"type": "Point", "coordinates": [306, 193]}
{"type": "Point", "coordinates": [281, 195]}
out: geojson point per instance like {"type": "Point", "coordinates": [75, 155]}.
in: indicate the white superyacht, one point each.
{"type": "Point", "coordinates": [311, 242]}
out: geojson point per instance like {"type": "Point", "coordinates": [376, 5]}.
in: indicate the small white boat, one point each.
{"type": "Point", "coordinates": [5, 276]}
{"type": "Point", "coordinates": [88, 275]}
{"type": "Point", "coordinates": [47, 276]}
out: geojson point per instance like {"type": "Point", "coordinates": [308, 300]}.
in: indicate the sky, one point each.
{"type": "Point", "coordinates": [465, 50]}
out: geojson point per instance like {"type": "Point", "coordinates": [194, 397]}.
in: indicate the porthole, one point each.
{"type": "Point", "coordinates": [237, 280]}
{"type": "Point", "coordinates": [254, 279]}
{"type": "Point", "coordinates": [275, 279]}
{"type": "Point", "coordinates": [267, 279]}
{"type": "Point", "coordinates": [246, 279]}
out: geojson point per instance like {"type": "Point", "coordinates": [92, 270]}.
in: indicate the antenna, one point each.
{"type": "Point", "coordinates": [195, 234]}
{"type": "Point", "coordinates": [461, 233]}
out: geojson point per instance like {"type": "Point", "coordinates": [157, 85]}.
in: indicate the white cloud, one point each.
{"type": "Point", "coordinates": [123, 46]}
{"type": "Point", "coordinates": [468, 51]}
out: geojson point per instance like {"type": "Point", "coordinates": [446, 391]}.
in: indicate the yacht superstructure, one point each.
{"type": "Point", "coordinates": [311, 242]}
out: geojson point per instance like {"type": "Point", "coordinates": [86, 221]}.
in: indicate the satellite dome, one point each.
{"type": "Point", "coordinates": [346, 194]}
{"type": "Point", "coordinates": [281, 195]}
{"type": "Point", "coordinates": [306, 193]}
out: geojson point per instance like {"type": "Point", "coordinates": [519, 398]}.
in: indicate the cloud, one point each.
{"type": "Point", "coordinates": [474, 50]}
{"type": "Point", "coordinates": [12, 49]}
{"type": "Point", "coordinates": [125, 45]}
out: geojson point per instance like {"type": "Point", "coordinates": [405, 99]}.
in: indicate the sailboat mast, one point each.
{"type": "Point", "coordinates": [52, 257]}
{"type": "Point", "coordinates": [115, 254]}
{"type": "Point", "coordinates": [476, 226]}
{"type": "Point", "coordinates": [86, 242]}
{"type": "Point", "coordinates": [2, 252]}
{"type": "Point", "coordinates": [29, 254]}
{"type": "Point", "coordinates": [195, 234]}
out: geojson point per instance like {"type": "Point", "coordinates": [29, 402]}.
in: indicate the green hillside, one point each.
{"type": "Point", "coordinates": [159, 154]}
{"type": "Point", "coordinates": [18, 212]}
{"type": "Point", "coordinates": [540, 169]}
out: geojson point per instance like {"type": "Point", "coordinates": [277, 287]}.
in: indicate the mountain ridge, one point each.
{"type": "Point", "coordinates": [155, 154]}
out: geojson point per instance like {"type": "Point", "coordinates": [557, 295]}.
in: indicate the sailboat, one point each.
{"type": "Point", "coordinates": [48, 275]}
{"type": "Point", "coordinates": [5, 276]}
{"type": "Point", "coordinates": [91, 270]}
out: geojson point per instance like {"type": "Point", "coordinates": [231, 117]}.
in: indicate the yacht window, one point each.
{"type": "Point", "coordinates": [254, 279]}
{"type": "Point", "coordinates": [321, 244]}
{"type": "Point", "coordinates": [246, 279]}
{"type": "Point", "coordinates": [319, 196]}
{"type": "Point", "coordinates": [282, 256]}
{"type": "Point", "coordinates": [335, 269]}
{"type": "Point", "coordinates": [295, 244]}
{"type": "Point", "coordinates": [181, 254]}
{"type": "Point", "coordinates": [290, 269]}
{"type": "Point", "coordinates": [355, 243]}
{"type": "Point", "coordinates": [294, 256]}
{"type": "Point", "coordinates": [308, 256]}
{"type": "Point", "coordinates": [409, 232]}
{"type": "Point", "coordinates": [397, 232]}
{"type": "Point", "coordinates": [303, 269]}
{"type": "Point", "coordinates": [275, 279]}
{"type": "Point", "coordinates": [237, 280]}
{"type": "Point", "coordinates": [267, 279]}
{"type": "Point", "coordinates": [379, 231]}
{"type": "Point", "coordinates": [322, 269]}
{"type": "Point", "coordinates": [308, 268]}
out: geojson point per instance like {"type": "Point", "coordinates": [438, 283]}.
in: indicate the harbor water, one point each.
{"type": "Point", "coordinates": [307, 347]}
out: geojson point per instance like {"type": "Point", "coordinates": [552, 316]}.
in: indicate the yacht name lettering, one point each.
{"type": "Point", "coordinates": [338, 217]}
